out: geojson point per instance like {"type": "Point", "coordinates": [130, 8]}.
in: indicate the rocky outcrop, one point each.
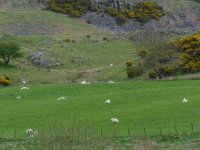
{"type": "Point", "coordinates": [39, 59]}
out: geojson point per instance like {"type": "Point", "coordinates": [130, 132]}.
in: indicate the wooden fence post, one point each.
{"type": "Point", "coordinates": [160, 130]}
{"type": "Point", "coordinates": [129, 132]}
{"type": "Point", "coordinates": [175, 129]}
{"type": "Point", "coordinates": [192, 126]}
{"type": "Point", "coordinates": [101, 132]}
{"type": "Point", "coordinates": [144, 131]}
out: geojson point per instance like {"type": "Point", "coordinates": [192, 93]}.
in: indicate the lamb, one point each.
{"type": "Point", "coordinates": [114, 120]}
{"type": "Point", "coordinates": [62, 98]}
{"type": "Point", "coordinates": [24, 88]}
{"type": "Point", "coordinates": [29, 133]}
{"type": "Point", "coordinates": [107, 101]}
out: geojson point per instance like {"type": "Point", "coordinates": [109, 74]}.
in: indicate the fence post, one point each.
{"type": "Point", "coordinates": [160, 130]}
{"type": "Point", "coordinates": [101, 132]}
{"type": "Point", "coordinates": [144, 131]}
{"type": "Point", "coordinates": [175, 129]}
{"type": "Point", "coordinates": [192, 127]}
{"type": "Point", "coordinates": [129, 132]}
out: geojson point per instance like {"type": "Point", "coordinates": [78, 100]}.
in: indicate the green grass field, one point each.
{"type": "Point", "coordinates": [136, 105]}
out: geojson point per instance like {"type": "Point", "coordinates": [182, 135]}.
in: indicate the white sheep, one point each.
{"type": "Point", "coordinates": [18, 97]}
{"type": "Point", "coordinates": [114, 120]}
{"type": "Point", "coordinates": [107, 101]}
{"type": "Point", "coordinates": [24, 88]}
{"type": "Point", "coordinates": [62, 98]}
{"type": "Point", "coordinates": [24, 82]}
{"type": "Point", "coordinates": [83, 82]}
{"type": "Point", "coordinates": [29, 133]}
{"type": "Point", "coordinates": [111, 82]}
{"type": "Point", "coordinates": [111, 65]}
{"type": "Point", "coordinates": [184, 100]}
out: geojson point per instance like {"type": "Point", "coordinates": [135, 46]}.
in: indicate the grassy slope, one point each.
{"type": "Point", "coordinates": [138, 104]}
{"type": "Point", "coordinates": [45, 31]}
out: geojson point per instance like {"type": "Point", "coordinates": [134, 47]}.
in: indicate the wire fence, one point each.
{"type": "Point", "coordinates": [116, 131]}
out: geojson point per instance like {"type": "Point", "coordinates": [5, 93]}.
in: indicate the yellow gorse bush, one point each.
{"type": "Point", "coordinates": [4, 81]}
{"type": "Point", "coordinates": [189, 48]}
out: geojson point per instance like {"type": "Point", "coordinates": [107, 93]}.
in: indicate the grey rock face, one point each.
{"type": "Point", "coordinates": [40, 60]}
{"type": "Point", "coordinates": [168, 23]}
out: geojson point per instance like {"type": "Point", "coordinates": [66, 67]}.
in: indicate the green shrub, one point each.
{"type": "Point", "coordinates": [134, 71]}
{"type": "Point", "coordinates": [142, 53]}
{"type": "Point", "coordinates": [121, 19]}
{"type": "Point", "coordinates": [89, 21]}
{"type": "Point", "coordinates": [119, 15]}
{"type": "Point", "coordinates": [88, 36]}
{"type": "Point", "coordinates": [75, 13]}
{"type": "Point", "coordinates": [9, 51]}
{"type": "Point", "coordinates": [129, 63]}
{"type": "Point", "coordinates": [67, 40]}
{"type": "Point", "coordinates": [72, 8]}
{"type": "Point", "coordinates": [105, 38]}
{"type": "Point", "coordinates": [146, 11]}
{"type": "Point", "coordinates": [152, 75]}
{"type": "Point", "coordinates": [167, 71]}
{"type": "Point", "coordinates": [161, 72]}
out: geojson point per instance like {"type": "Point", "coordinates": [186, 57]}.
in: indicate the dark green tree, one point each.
{"type": "Point", "coordinates": [8, 51]}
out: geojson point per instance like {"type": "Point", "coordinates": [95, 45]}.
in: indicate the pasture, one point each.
{"type": "Point", "coordinates": [140, 104]}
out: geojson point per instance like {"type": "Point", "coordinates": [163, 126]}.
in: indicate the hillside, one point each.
{"type": "Point", "coordinates": [38, 31]}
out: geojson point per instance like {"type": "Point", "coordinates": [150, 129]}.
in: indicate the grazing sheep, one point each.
{"type": "Point", "coordinates": [184, 100]}
{"type": "Point", "coordinates": [62, 98]}
{"type": "Point", "coordinates": [24, 88]}
{"type": "Point", "coordinates": [18, 97]}
{"type": "Point", "coordinates": [111, 65]}
{"type": "Point", "coordinates": [111, 82]}
{"type": "Point", "coordinates": [24, 82]}
{"type": "Point", "coordinates": [29, 133]}
{"type": "Point", "coordinates": [83, 82]}
{"type": "Point", "coordinates": [114, 120]}
{"type": "Point", "coordinates": [107, 101]}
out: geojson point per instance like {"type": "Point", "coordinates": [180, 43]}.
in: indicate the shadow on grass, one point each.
{"type": "Point", "coordinates": [8, 66]}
